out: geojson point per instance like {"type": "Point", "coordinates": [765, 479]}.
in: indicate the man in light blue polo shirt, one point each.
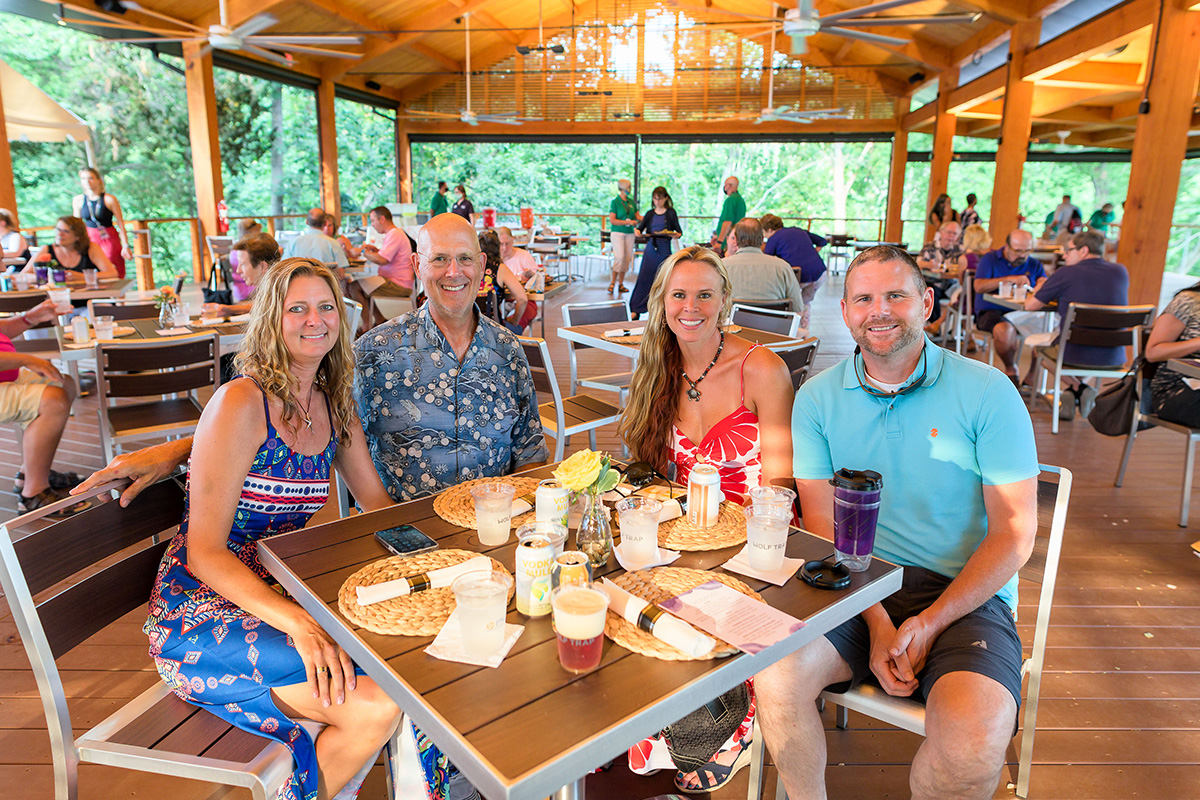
{"type": "Point", "coordinates": [955, 447]}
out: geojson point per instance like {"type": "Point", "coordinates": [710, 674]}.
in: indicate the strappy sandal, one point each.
{"type": "Point", "coordinates": [611, 284]}
{"type": "Point", "coordinates": [58, 480]}
{"type": "Point", "coordinates": [45, 498]}
{"type": "Point", "coordinates": [720, 774]}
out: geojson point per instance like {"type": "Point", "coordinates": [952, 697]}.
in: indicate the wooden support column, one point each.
{"type": "Point", "coordinates": [142, 256]}
{"type": "Point", "coordinates": [1159, 144]}
{"type": "Point", "coordinates": [331, 196]}
{"type": "Point", "coordinates": [403, 165]}
{"type": "Point", "coordinates": [206, 149]}
{"type": "Point", "coordinates": [1014, 132]}
{"type": "Point", "coordinates": [894, 229]}
{"type": "Point", "coordinates": [8, 185]}
{"type": "Point", "coordinates": [639, 96]}
{"type": "Point", "coordinates": [943, 142]}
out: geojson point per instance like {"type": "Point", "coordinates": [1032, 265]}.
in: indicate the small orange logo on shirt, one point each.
{"type": "Point", "coordinates": [933, 432]}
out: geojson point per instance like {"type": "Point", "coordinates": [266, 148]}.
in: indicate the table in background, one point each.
{"type": "Point", "coordinates": [529, 728]}
{"type": "Point", "coordinates": [107, 290]}
{"type": "Point", "coordinates": [1188, 367]}
{"type": "Point", "coordinates": [230, 335]}
{"type": "Point", "coordinates": [593, 336]}
{"type": "Point", "coordinates": [552, 288]}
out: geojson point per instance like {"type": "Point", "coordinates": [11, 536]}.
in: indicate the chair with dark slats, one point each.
{"type": "Point", "coordinates": [563, 416]}
{"type": "Point", "coordinates": [122, 309]}
{"type": "Point", "coordinates": [799, 359]}
{"type": "Point", "coordinates": [1054, 496]}
{"type": "Point", "coordinates": [589, 314]}
{"type": "Point", "coordinates": [785, 323]}
{"type": "Point", "coordinates": [106, 577]}
{"type": "Point", "coordinates": [143, 368]}
{"type": "Point", "coordinates": [771, 305]}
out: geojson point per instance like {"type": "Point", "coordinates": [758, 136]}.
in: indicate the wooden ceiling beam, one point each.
{"type": "Point", "coordinates": [820, 57]}
{"type": "Point", "coordinates": [1096, 35]}
{"type": "Point", "coordinates": [357, 19]}
{"type": "Point", "coordinates": [673, 127]}
{"type": "Point", "coordinates": [985, 88]}
{"type": "Point", "coordinates": [1110, 76]}
{"type": "Point", "coordinates": [1005, 11]}
{"type": "Point", "coordinates": [238, 11]}
{"type": "Point", "coordinates": [425, 51]}
{"type": "Point", "coordinates": [441, 18]}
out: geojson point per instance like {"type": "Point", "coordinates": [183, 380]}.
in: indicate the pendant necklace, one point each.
{"type": "Point", "coordinates": [693, 393]}
{"type": "Point", "coordinates": [307, 415]}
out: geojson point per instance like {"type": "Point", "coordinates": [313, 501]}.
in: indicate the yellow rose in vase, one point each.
{"type": "Point", "coordinates": [581, 470]}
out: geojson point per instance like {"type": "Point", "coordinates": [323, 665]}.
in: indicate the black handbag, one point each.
{"type": "Point", "coordinates": [694, 740]}
{"type": "Point", "coordinates": [220, 284]}
{"type": "Point", "coordinates": [1113, 413]}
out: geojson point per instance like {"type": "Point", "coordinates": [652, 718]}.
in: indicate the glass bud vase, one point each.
{"type": "Point", "coordinates": [166, 316]}
{"type": "Point", "coordinates": [594, 536]}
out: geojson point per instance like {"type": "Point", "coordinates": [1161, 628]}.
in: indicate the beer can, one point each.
{"type": "Point", "coordinates": [571, 568]}
{"type": "Point", "coordinates": [552, 502]}
{"type": "Point", "coordinates": [704, 496]}
{"type": "Point", "coordinates": [535, 555]}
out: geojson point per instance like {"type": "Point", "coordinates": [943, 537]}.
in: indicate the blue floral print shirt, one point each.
{"type": "Point", "coordinates": [432, 422]}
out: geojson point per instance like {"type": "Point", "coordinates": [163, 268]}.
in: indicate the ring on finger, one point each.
{"type": "Point", "coordinates": [322, 670]}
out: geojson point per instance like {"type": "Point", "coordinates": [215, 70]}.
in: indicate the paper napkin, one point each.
{"type": "Point", "coordinates": [448, 646]}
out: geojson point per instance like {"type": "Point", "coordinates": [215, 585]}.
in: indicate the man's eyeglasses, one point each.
{"type": "Point", "coordinates": [442, 262]}
{"type": "Point", "coordinates": [1069, 249]}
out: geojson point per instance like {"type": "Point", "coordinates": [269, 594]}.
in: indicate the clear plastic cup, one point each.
{"type": "Point", "coordinates": [766, 536]}
{"type": "Point", "coordinates": [62, 300]}
{"type": "Point", "coordinates": [579, 614]}
{"type": "Point", "coordinates": [104, 327]}
{"type": "Point", "coordinates": [638, 517]}
{"type": "Point", "coordinates": [91, 278]}
{"type": "Point", "coordinates": [779, 498]}
{"type": "Point", "coordinates": [180, 313]}
{"type": "Point", "coordinates": [493, 512]}
{"type": "Point", "coordinates": [482, 602]}
{"type": "Point", "coordinates": [556, 533]}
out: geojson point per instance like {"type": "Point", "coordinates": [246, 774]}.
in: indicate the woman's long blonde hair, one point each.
{"type": "Point", "coordinates": [264, 355]}
{"type": "Point", "coordinates": [654, 391]}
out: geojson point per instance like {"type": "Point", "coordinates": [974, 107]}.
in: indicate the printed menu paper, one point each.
{"type": "Point", "coordinates": [748, 624]}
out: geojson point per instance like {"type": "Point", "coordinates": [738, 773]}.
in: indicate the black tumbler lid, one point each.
{"type": "Point", "coordinates": [860, 480]}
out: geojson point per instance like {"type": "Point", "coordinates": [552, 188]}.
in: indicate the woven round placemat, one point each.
{"type": "Point", "coordinates": [456, 506]}
{"type": "Point", "coordinates": [730, 530]}
{"type": "Point", "coordinates": [637, 338]}
{"type": "Point", "coordinates": [657, 585]}
{"type": "Point", "coordinates": [420, 614]}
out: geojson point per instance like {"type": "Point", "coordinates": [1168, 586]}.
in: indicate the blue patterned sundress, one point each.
{"type": "Point", "coordinates": [211, 652]}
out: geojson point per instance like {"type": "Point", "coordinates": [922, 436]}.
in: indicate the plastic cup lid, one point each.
{"type": "Point", "coordinates": [859, 480]}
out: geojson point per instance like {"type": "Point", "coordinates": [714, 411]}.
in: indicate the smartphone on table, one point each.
{"type": "Point", "coordinates": [405, 540]}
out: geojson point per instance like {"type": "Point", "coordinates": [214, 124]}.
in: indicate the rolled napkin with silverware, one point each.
{"type": "Point", "coordinates": [657, 622]}
{"type": "Point", "coordinates": [434, 579]}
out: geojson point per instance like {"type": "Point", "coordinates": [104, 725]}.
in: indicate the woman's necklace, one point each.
{"type": "Point", "coordinates": [693, 393]}
{"type": "Point", "coordinates": [307, 415]}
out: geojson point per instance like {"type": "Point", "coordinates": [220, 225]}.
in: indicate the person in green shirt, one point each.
{"type": "Point", "coordinates": [1100, 219]}
{"type": "Point", "coordinates": [733, 210]}
{"type": "Point", "coordinates": [622, 216]}
{"type": "Point", "coordinates": [439, 204]}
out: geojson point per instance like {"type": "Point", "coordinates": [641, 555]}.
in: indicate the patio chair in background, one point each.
{"type": "Point", "coordinates": [1093, 325]}
{"type": "Point", "coordinates": [122, 309]}
{"type": "Point", "coordinates": [799, 359]}
{"type": "Point", "coordinates": [1054, 495]}
{"type": "Point", "coordinates": [169, 366]}
{"type": "Point", "coordinates": [563, 416]}
{"type": "Point", "coordinates": [1142, 419]}
{"type": "Point", "coordinates": [771, 305]}
{"type": "Point", "coordinates": [589, 314]}
{"type": "Point", "coordinates": [785, 323]}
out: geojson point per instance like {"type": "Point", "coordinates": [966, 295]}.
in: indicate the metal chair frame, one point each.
{"type": "Point", "coordinates": [799, 359]}
{"type": "Point", "coordinates": [606, 311]}
{"type": "Point", "coordinates": [909, 714]}
{"type": "Point", "coordinates": [110, 437]}
{"type": "Point", "coordinates": [1189, 464]}
{"type": "Point", "coordinates": [785, 323]}
{"type": "Point", "coordinates": [555, 423]}
{"type": "Point", "coordinates": [1091, 324]}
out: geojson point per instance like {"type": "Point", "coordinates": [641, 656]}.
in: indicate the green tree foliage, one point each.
{"type": "Point", "coordinates": [366, 156]}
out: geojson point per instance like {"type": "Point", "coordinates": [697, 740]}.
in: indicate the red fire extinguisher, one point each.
{"type": "Point", "coordinates": [222, 217]}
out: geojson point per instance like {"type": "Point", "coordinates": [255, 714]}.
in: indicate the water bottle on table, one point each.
{"type": "Point", "coordinates": [855, 514]}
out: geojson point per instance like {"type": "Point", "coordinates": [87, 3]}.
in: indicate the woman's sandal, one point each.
{"type": "Point", "coordinates": [721, 773]}
{"type": "Point", "coordinates": [611, 284]}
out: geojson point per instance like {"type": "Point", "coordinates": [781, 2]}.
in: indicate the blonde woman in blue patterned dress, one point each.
{"type": "Point", "coordinates": [222, 633]}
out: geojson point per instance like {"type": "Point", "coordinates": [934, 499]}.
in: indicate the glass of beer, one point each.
{"type": "Point", "coordinates": [579, 613]}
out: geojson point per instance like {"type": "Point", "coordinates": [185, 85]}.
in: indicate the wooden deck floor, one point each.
{"type": "Point", "coordinates": [1120, 712]}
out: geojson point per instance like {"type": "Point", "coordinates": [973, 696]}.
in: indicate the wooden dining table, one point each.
{"type": "Point", "coordinates": [529, 729]}
{"type": "Point", "coordinates": [593, 336]}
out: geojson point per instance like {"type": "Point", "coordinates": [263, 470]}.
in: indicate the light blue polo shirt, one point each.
{"type": "Point", "coordinates": [936, 448]}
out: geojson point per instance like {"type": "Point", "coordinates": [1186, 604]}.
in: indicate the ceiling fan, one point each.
{"type": "Point", "coordinates": [246, 37]}
{"type": "Point", "coordinates": [784, 113]}
{"type": "Point", "coordinates": [801, 22]}
{"type": "Point", "coordinates": [466, 114]}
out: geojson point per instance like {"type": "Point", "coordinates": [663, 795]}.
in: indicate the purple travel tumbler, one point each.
{"type": "Point", "coordinates": [855, 513]}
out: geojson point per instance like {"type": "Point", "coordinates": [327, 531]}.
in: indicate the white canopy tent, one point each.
{"type": "Point", "coordinates": [30, 115]}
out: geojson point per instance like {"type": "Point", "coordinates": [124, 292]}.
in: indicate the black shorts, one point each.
{"type": "Point", "coordinates": [984, 642]}
{"type": "Point", "coordinates": [989, 318]}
